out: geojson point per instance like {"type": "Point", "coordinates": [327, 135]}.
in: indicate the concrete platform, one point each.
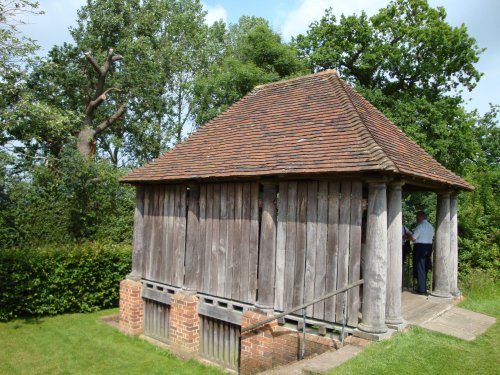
{"type": "Point", "coordinates": [418, 309]}
{"type": "Point", "coordinates": [442, 317]}
{"type": "Point", "coordinates": [461, 323]}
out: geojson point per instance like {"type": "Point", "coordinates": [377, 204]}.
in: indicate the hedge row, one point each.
{"type": "Point", "coordinates": [70, 278]}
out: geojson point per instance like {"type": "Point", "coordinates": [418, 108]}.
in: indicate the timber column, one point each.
{"type": "Point", "coordinates": [267, 258]}
{"type": "Point", "coordinates": [131, 304]}
{"type": "Point", "coordinates": [194, 271]}
{"type": "Point", "coordinates": [454, 245]}
{"type": "Point", "coordinates": [393, 317]}
{"type": "Point", "coordinates": [442, 263]}
{"type": "Point", "coordinates": [375, 269]}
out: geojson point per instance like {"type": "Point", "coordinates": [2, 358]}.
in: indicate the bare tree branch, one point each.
{"type": "Point", "coordinates": [110, 120]}
{"type": "Point", "coordinates": [93, 62]}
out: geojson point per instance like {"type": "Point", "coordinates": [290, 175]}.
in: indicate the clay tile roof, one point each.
{"type": "Point", "coordinates": [307, 125]}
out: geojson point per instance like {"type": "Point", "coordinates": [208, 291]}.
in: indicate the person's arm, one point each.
{"type": "Point", "coordinates": [416, 234]}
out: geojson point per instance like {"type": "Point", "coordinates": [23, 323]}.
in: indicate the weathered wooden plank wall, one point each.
{"type": "Point", "coordinates": [164, 233]}
{"type": "Point", "coordinates": [318, 241]}
{"type": "Point", "coordinates": [319, 238]}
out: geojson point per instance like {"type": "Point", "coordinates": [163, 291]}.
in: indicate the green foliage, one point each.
{"type": "Point", "coordinates": [58, 279]}
{"type": "Point", "coordinates": [14, 47]}
{"type": "Point", "coordinates": [72, 200]}
{"type": "Point", "coordinates": [253, 54]}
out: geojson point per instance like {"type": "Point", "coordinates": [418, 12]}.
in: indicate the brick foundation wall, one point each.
{"type": "Point", "coordinates": [271, 345]}
{"type": "Point", "coordinates": [131, 307]}
{"type": "Point", "coordinates": [184, 322]}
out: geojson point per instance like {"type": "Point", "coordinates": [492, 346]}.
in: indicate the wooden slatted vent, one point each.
{"type": "Point", "coordinates": [156, 320]}
{"type": "Point", "coordinates": [219, 341]}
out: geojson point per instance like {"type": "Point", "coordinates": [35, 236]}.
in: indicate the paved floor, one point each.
{"type": "Point", "coordinates": [461, 323]}
{"type": "Point", "coordinates": [444, 317]}
{"type": "Point", "coordinates": [418, 309]}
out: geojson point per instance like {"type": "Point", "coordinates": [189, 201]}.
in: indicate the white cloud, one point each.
{"type": "Point", "coordinates": [215, 13]}
{"type": "Point", "coordinates": [297, 21]}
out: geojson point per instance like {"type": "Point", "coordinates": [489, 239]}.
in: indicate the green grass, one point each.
{"type": "Point", "coordinates": [419, 351]}
{"type": "Point", "coordinates": [83, 344]}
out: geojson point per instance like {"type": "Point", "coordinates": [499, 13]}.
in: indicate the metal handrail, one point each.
{"type": "Point", "coordinates": [303, 306]}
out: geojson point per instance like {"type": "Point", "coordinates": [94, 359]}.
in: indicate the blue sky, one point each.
{"type": "Point", "coordinates": [291, 17]}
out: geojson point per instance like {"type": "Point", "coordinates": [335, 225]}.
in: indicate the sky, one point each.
{"type": "Point", "coordinates": [293, 17]}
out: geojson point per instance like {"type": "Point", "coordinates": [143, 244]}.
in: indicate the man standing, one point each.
{"type": "Point", "coordinates": [422, 238]}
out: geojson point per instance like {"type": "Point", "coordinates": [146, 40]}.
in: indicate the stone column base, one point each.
{"type": "Point", "coordinates": [131, 307]}
{"type": "Point", "coordinates": [398, 327]}
{"type": "Point", "coordinates": [439, 298]}
{"type": "Point", "coordinates": [372, 336]}
{"type": "Point", "coordinates": [184, 322]}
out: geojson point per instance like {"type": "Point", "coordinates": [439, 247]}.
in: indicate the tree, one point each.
{"type": "Point", "coordinates": [410, 63]}
{"type": "Point", "coordinates": [163, 44]}
{"type": "Point", "coordinates": [88, 134]}
{"type": "Point", "coordinates": [72, 98]}
{"type": "Point", "coordinates": [253, 54]}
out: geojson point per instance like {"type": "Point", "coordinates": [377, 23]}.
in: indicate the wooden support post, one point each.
{"type": "Point", "coordinates": [393, 317]}
{"type": "Point", "coordinates": [454, 245]}
{"type": "Point", "coordinates": [442, 257]}
{"type": "Point", "coordinates": [138, 242]}
{"type": "Point", "coordinates": [267, 257]}
{"type": "Point", "coordinates": [375, 269]}
{"type": "Point", "coordinates": [193, 246]}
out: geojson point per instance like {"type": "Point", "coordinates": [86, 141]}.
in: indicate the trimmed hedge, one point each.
{"type": "Point", "coordinates": [69, 278]}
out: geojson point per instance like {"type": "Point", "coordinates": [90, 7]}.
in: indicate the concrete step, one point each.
{"type": "Point", "coordinates": [322, 363]}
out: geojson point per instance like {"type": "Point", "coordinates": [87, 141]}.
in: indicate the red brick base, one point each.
{"type": "Point", "coordinates": [184, 322]}
{"type": "Point", "coordinates": [131, 307]}
{"type": "Point", "coordinates": [271, 345]}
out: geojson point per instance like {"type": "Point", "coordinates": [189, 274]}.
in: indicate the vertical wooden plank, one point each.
{"type": "Point", "coordinates": [193, 255]}
{"type": "Point", "coordinates": [245, 244]}
{"type": "Point", "coordinates": [162, 256]}
{"type": "Point", "coordinates": [165, 237]}
{"type": "Point", "coordinates": [312, 217]}
{"type": "Point", "coordinates": [170, 274]}
{"type": "Point", "coordinates": [180, 234]}
{"type": "Point", "coordinates": [280, 246]}
{"type": "Point", "coordinates": [291, 233]}
{"type": "Point", "coordinates": [230, 241]}
{"type": "Point", "coordinates": [231, 346]}
{"type": "Point", "coordinates": [215, 240]}
{"type": "Point", "coordinates": [236, 276]}
{"type": "Point", "coordinates": [332, 248]}
{"type": "Point", "coordinates": [207, 269]}
{"type": "Point", "coordinates": [138, 241]}
{"type": "Point", "coordinates": [222, 251]}
{"type": "Point", "coordinates": [203, 230]}
{"type": "Point", "coordinates": [343, 258]}
{"type": "Point", "coordinates": [254, 241]}
{"type": "Point", "coordinates": [300, 246]}
{"type": "Point", "coordinates": [267, 255]}
{"type": "Point", "coordinates": [147, 231]}
{"type": "Point", "coordinates": [355, 252]}
{"type": "Point", "coordinates": [155, 227]}
{"type": "Point", "coordinates": [321, 238]}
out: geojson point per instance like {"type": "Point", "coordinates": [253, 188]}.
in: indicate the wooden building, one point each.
{"type": "Point", "coordinates": [292, 192]}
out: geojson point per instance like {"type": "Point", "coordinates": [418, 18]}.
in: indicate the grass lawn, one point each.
{"type": "Point", "coordinates": [419, 351]}
{"type": "Point", "coordinates": [83, 344]}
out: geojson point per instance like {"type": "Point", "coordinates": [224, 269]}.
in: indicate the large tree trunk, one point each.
{"type": "Point", "coordinates": [85, 138]}
{"type": "Point", "coordinates": [88, 133]}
